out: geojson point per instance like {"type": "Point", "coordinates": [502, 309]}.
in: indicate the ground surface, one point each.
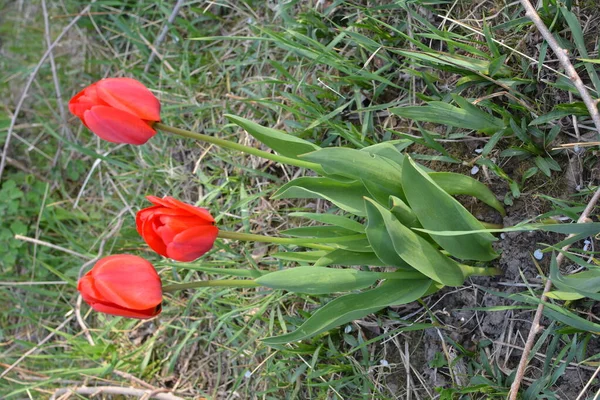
{"type": "Point", "coordinates": [286, 65]}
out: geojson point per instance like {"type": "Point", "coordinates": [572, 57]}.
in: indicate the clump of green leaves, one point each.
{"type": "Point", "coordinates": [411, 223]}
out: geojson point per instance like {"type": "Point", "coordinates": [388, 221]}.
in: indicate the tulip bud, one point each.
{"type": "Point", "coordinates": [119, 110]}
{"type": "Point", "coordinates": [175, 229]}
{"type": "Point", "coordinates": [124, 285]}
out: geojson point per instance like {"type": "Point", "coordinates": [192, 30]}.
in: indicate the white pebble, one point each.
{"type": "Point", "coordinates": [478, 151]}
{"type": "Point", "coordinates": [503, 236]}
{"type": "Point", "coordinates": [384, 363]}
{"type": "Point", "coordinates": [538, 254]}
{"type": "Point", "coordinates": [474, 170]}
{"type": "Point", "coordinates": [348, 329]}
{"type": "Point", "coordinates": [248, 375]}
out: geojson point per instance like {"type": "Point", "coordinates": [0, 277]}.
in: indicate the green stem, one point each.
{"type": "Point", "coordinates": [232, 283]}
{"type": "Point", "coordinates": [305, 242]}
{"type": "Point", "coordinates": [240, 147]}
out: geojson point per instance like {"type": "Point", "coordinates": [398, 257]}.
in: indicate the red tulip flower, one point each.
{"type": "Point", "coordinates": [119, 110]}
{"type": "Point", "coordinates": [124, 285]}
{"type": "Point", "coordinates": [175, 229]}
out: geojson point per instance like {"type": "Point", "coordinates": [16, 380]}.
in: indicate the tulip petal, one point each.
{"type": "Point", "coordinates": [199, 211]}
{"type": "Point", "coordinates": [129, 95]}
{"type": "Point", "coordinates": [152, 238]}
{"type": "Point", "coordinates": [172, 203]}
{"type": "Point", "coordinates": [114, 309]}
{"type": "Point", "coordinates": [85, 100]}
{"type": "Point", "coordinates": [86, 288]}
{"type": "Point", "coordinates": [143, 215]}
{"type": "Point", "coordinates": [117, 126]}
{"type": "Point", "coordinates": [127, 281]}
{"type": "Point", "coordinates": [192, 243]}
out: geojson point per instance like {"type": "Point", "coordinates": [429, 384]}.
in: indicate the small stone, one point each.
{"type": "Point", "coordinates": [348, 329]}
{"type": "Point", "coordinates": [474, 170]}
{"type": "Point", "coordinates": [538, 254]}
{"type": "Point", "coordinates": [248, 375]}
{"type": "Point", "coordinates": [384, 363]}
{"type": "Point", "coordinates": [503, 236]}
{"type": "Point", "coordinates": [478, 151]}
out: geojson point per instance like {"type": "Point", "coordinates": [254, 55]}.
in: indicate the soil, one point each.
{"type": "Point", "coordinates": [495, 335]}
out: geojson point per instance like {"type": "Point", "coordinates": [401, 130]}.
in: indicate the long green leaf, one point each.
{"type": "Point", "coordinates": [300, 256]}
{"type": "Point", "coordinates": [356, 164]}
{"type": "Point", "coordinates": [318, 280]}
{"type": "Point", "coordinates": [346, 195]}
{"type": "Point", "coordinates": [381, 240]}
{"type": "Point", "coordinates": [458, 184]}
{"type": "Point", "coordinates": [319, 231]}
{"type": "Point", "coordinates": [413, 249]}
{"type": "Point", "coordinates": [347, 308]}
{"type": "Point", "coordinates": [438, 211]}
{"type": "Point", "coordinates": [331, 219]}
{"type": "Point", "coordinates": [403, 213]}
{"type": "Point", "coordinates": [347, 257]}
{"type": "Point", "coordinates": [283, 143]}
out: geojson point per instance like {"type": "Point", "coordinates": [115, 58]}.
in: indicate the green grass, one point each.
{"type": "Point", "coordinates": [328, 73]}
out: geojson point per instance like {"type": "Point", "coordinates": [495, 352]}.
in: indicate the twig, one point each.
{"type": "Point", "coordinates": [561, 54]}
{"type": "Point", "coordinates": [13, 120]}
{"type": "Point", "coordinates": [595, 115]}
{"type": "Point", "coordinates": [61, 107]}
{"type": "Point", "coordinates": [81, 322]}
{"type": "Point", "coordinates": [50, 245]}
{"type": "Point", "coordinates": [148, 394]}
{"type": "Point", "coordinates": [162, 34]}
{"type": "Point", "coordinates": [589, 383]}
{"type": "Point", "coordinates": [535, 325]}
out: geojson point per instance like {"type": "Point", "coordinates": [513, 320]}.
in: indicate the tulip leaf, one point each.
{"type": "Point", "coordinates": [438, 211]}
{"type": "Point", "coordinates": [357, 164]}
{"type": "Point", "coordinates": [381, 241]}
{"type": "Point", "coordinates": [350, 307]}
{"type": "Point", "coordinates": [300, 256]}
{"type": "Point", "coordinates": [403, 213]}
{"type": "Point", "coordinates": [282, 142]}
{"type": "Point", "coordinates": [377, 192]}
{"type": "Point", "coordinates": [359, 245]}
{"type": "Point", "coordinates": [387, 150]}
{"type": "Point", "coordinates": [346, 195]}
{"type": "Point", "coordinates": [410, 247]}
{"type": "Point", "coordinates": [318, 280]}
{"type": "Point", "coordinates": [455, 184]}
{"type": "Point", "coordinates": [331, 219]}
{"type": "Point", "coordinates": [320, 231]}
{"type": "Point", "coordinates": [347, 257]}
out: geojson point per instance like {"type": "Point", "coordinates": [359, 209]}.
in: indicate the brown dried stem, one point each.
{"type": "Point", "coordinates": [561, 54]}
{"type": "Point", "coordinates": [535, 325]}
